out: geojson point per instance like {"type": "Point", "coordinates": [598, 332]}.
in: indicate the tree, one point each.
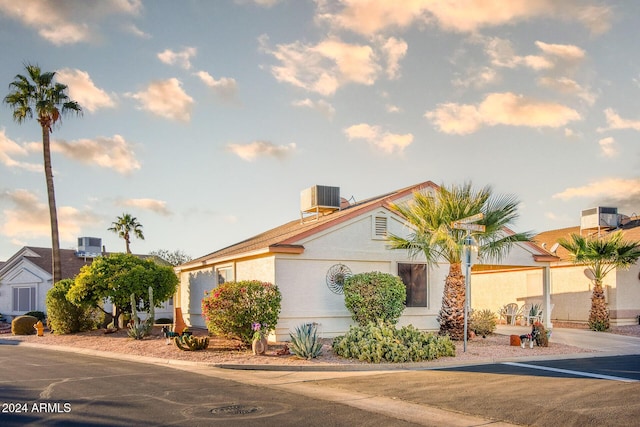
{"type": "Point", "coordinates": [37, 93]}
{"type": "Point", "coordinates": [64, 316]}
{"type": "Point", "coordinates": [118, 276]}
{"type": "Point", "coordinates": [430, 216]}
{"type": "Point", "coordinates": [124, 226]}
{"type": "Point", "coordinates": [601, 255]}
{"type": "Point", "coordinates": [174, 258]}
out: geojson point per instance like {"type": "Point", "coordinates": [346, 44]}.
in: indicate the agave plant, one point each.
{"type": "Point", "coordinates": [304, 342]}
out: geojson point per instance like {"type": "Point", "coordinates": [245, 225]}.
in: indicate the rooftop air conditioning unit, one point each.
{"type": "Point", "coordinates": [89, 246]}
{"type": "Point", "coordinates": [320, 198]}
{"type": "Point", "coordinates": [600, 217]}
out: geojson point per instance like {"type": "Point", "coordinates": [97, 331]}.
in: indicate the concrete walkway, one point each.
{"type": "Point", "coordinates": [607, 343]}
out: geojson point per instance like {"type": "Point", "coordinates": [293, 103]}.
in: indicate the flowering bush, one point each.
{"type": "Point", "coordinates": [232, 309]}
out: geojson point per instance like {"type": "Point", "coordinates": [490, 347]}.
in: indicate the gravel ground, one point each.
{"type": "Point", "coordinates": [222, 351]}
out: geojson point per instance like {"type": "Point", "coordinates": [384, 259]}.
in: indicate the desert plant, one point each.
{"type": "Point", "coordinates": [138, 329]}
{"type": "Point", "coordinates": [23, 325]}
{"type": "Point", "coordinates": [483, 322]}
{"type": "Point", "coordinates": [375, 296]}
{"type": "Point", "coordinates": [191, 343]}
{"type": "Point", "coordinates": [542, 336]}
{"type": "Point", "coordinates": [64, 316]}
{"type": "Point", "coordinates": [382, 342]}
{"type": "Point", "coordinates": [231, 309]}
{"type": "Point", "coordinates": [304, 341]}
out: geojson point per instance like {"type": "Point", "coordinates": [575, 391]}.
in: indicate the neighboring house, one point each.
{"type": "Point", "coordinates": [570, 288]}
{"type": "Point", "coordinates": [301, 257]}
{"type": "Point", "coordinates": [26, 277]}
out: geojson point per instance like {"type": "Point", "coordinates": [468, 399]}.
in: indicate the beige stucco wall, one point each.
{"type": "Point", "coordinates": [570, 292]}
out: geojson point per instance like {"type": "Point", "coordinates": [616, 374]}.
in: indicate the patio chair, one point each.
{"type": "Point", "coordinates": [509, 312]}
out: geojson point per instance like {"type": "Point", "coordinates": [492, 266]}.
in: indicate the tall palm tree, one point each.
{"type": "Point", "coordinates": [124, 226]}
{"type": "Point", "coordinates": [601, 255]}
{"type": "Point", "coordinates": [430, 215]}
{"type": "Point", "coordinates": [37, 93]}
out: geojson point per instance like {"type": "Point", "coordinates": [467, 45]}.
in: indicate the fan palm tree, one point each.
{"type": "Point", "coordinates": [125, 226]}
{"type": "Point", "coordinates": [430, 215]}
{"type": "Point", "coordinates": [37, 93]}
{"type": "Point", "coordinates": [601, 255]}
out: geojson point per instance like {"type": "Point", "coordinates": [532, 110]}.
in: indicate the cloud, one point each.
{"type": "Point", "coordinates": [500, 109]}
{"type": "Point", "coordinates": [182, 58]}
{"type": "Point", "coordinates": [112, 153]}
{"type": "Point", "coordinates": [225, 87]}
{"type": "Point", "coordinates": [153, 205]}
{"type": "Point", "coordinates": [477, 78]}
{"type": "Point", "coordinates": [369, 17]}
{"type": "Point", "coordinates": [615, 122]}
{"type": "Point", "coordinates": [84, 91]}
{"type": "Point", "coordinates": [326, 66]}
{"type": "Point", "coordinates": [67, 22]}
{"type": "Point", "coordinates": [165, 98]}
{"type": "Point", "coordinates": [9, 149]}
{"type": "Point", "coordinates": [379, 138]}
{"type": "Point", "coordinates": [394, 49]}
{"type": "Point", "coordinates": [608, 147]}
{"type": "Point", "coordinates": [568, 86]}
{"type": "Point", "coordinates": [29, 218]}
{"type": "Point", "coordinates": [610, 188]}
{"type": "Point", "coordinates": [501, 54]}
{"type": "Point", "coordinates": [255, 149]}
{"type": "Point", "coordinates": [322, 106]}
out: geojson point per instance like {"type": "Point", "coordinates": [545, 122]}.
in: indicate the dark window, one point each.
{"type": "Point", "coordinates": [414, 276]}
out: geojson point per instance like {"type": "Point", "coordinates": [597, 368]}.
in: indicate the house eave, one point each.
{"type": "Point", "coordinates": [273, 249]}
{"type": "Point", "coordinates": [546, 258]}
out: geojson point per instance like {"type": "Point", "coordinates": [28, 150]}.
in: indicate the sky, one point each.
{"type": "Point", "coordinates": [206, 119]}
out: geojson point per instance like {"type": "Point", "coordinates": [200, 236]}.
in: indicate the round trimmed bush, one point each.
{"type": "Point", "coordinates": [232, 308]}
{"type": "Point", "coordinates": [375, 296]}
{"type": "Point", "coordinates": [23, 325]}
{"type": "Point", "coordinates": [66, 317]}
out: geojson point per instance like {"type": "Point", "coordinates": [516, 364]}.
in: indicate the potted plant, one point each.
{"type": "Point", "coordinates": [260, 343]}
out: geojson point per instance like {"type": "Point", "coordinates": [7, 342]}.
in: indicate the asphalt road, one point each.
{"type": "Point", "coordinates": [42, 387]}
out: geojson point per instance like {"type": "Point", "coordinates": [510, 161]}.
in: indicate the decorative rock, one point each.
{"type": "Point", "coordinates": [514, 340]}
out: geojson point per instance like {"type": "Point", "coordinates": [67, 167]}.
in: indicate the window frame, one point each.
{"type": "Point", "coordinates": [409, 286]}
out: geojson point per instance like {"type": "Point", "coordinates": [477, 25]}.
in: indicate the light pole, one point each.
{"type": "Point", "coordinates": [468, 245]}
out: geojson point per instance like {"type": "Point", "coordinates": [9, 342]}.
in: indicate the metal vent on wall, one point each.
{"type": "Point", "coordinates": [380, 226]}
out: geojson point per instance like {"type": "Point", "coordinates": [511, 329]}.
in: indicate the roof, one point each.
{"type": "Point", "coordinates": [285, 238]}
{"type": "Point", "coordinates": [42, 257]}
{"type": "Point", "coordinates": [546, 239]}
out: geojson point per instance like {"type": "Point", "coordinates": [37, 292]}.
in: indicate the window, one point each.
{"type": "Point", "coordinates": [225, 274]}
{"type": "Point", "coordinates": [24, 299]}
{"type": "Point", "coordinates": [414, 276]}
{"type": "Point", "coordinates": [379, 227]}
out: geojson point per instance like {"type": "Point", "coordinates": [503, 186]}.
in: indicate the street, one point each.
{"type": "Point", "coordinates": [44, 387]}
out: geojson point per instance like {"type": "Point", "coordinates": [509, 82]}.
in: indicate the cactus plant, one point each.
{"type": "Point", "coordinates": [23, 325]}
{"type": "Point", "coordinates": [191, 343]}
{"type": "Point", "coordinates": [304, 343]}
{"type": "Point", "coordinates": [138, 329]}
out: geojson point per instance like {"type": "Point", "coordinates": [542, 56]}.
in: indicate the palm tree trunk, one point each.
{"type": "Point", "coordinates": [451, 315]}
{"type": "Point", "coordinates": [53, 214]}
{"type": "Point", "coordinates": [599, 314]}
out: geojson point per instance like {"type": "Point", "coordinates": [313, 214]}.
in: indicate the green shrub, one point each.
{"type": "Point", "coordinates": [66, 317]}
{"type": "Point", "coordinates": [232, 308]}
{"type": "Point", "coordinates": [375, 296]}
{"type": "Point", "coordinates": [23, 325]}
{"type": "Point", "coordinates": [483, 322]}
{"type": "Point", "coordinates": [37, 314]}
{"type": "Point", "coordinates": [382, 342]}
{"type": "Point", "coordinates": [304, 342]}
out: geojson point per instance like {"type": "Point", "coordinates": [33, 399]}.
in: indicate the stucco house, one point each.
{"type": "Point", "coordinates": [302, 256]}
{"type": "Point", "coordinates": [570, 288]}
{"type": "Point", "coordinates": [26, 277]}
